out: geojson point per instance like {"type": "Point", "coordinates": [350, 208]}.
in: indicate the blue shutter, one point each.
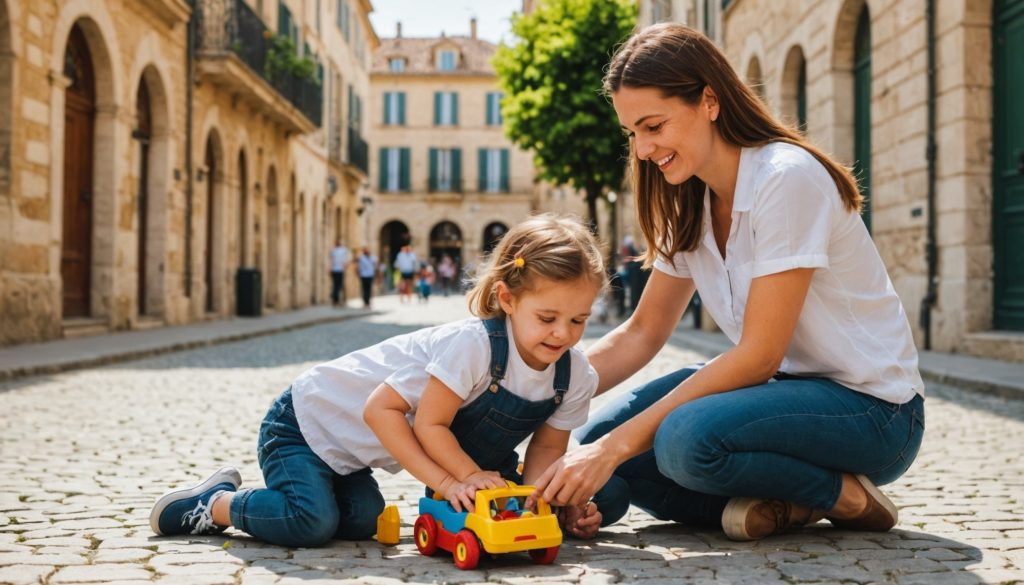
{"type": "Point", "coordinates": [504, 170]}
{"type": "Point", "coordinates": [401, 108]}
{"type": "Point", "coordinates": [383, 169]}
{"type": "Point", "coordinates": [457, 170]}
{"type": "Point", "coordinates": [404, 158]}
{"type": "Point", "coordinates": [432, 181]}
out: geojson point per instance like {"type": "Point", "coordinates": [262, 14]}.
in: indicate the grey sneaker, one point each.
{"type": "Point", "coordinates": [187, 510]}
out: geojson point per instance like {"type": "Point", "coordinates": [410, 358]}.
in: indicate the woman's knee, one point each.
{"type": "Point", "coordinates": [688, 447]}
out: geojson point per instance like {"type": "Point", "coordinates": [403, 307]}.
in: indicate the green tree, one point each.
{"type": "Point", "coordinates": [553, 102]}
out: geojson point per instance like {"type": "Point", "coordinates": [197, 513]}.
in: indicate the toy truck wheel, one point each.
{"type": "Point", "coordinates": [467, 550]}
{"type": "Point", "coordinates": [425, 531]}
{"type": "Point", "coordinates": [544, 556]}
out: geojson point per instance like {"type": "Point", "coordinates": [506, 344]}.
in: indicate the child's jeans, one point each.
{"type": "Point", "coordinates": [305, 503]}
{"type": "Point", "coordinates": [789, 439]}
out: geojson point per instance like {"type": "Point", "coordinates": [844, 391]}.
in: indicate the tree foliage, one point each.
{"type": "Point", "coordinates": [553, 103]}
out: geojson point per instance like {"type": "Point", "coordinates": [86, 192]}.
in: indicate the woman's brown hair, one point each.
{"type": "Point", "coordinates": [681, 62]}
{"type": "Point", "coordinates": [558, 248]}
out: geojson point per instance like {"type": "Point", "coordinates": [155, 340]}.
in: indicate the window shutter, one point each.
{"type": "Point", "coordinates": [457, 170]}
{"type": "Point", "coordinates": [432, 184]}
{"type": "Point", "coordinates": [284, 20]}
{"type": "Point", "coordinates": [481, 169]}
{"type": "Point", "coordinates": [387, 108]}
{"type": "Point", "coordinates": [455, 109]}
{"type": "Point", "coordinates": [404, 180]}
{"type": "Point", "coordinates": [437, 108]}
{"type": "Point", "coordinates": [383, 169]}
{"type": "Point", "coordinates": [401, 108]}
{"type": "Point", "coordinates": [504, 170]}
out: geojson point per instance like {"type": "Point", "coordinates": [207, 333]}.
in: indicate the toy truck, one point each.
{"type": "Point", "coordinates": [499, 525]}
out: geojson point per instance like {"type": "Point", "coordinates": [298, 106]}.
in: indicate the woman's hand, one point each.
{"type": "Point", "coordinates": [577, 475]}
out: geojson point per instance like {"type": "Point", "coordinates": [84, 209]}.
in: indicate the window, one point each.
{"type": "Point", "coordinates": [355, 109]}
{"type": "Point", "coordinates": [343, 19]}
{"type": "Point", "coordinates": [286, 26]}
{"type": "Point", "coordinates": [446, 108]}
{"type": "Point", "coordinates": [446, 60]}
{"type": "Point", "coordinates": [445, 169]}
{"type": "Point", "coordinates": [394, 108]}
{"type": "Point", "coordinates": [394, 169]}
{"type": "Point", "coordinates": [494, 109]}
{"type": "Point", "coordinates": [493, 170]}
{"type": "Point", "coordinates": [396, 64]}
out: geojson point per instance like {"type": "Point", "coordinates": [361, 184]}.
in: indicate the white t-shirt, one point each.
{"type": "Point", "coordinates": [330, 397]}
{"type": "Point", "coordinates": [339, 258]}
{"type": "Point", "coordinates": [787, 213]}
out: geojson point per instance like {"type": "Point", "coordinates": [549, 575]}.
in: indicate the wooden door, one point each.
{"type": "Point", "coordinates": [142, 133]}
{"type": "Point", "coordinates": [1008, 167]}
{"type": "Point", "coordinates": [79, 114]}
{"type": "Point", "coordinates": [211, 174]}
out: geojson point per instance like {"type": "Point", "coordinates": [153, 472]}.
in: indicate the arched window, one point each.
{"type": "Point", "coordinates": [862, 110]}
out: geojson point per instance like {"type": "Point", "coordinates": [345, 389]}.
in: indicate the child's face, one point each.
{"type": "Point", "coordinates": [549, 319]}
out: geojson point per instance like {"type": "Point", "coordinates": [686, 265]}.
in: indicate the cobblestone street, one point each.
{"type": "Point", "coordinates": [84, 454]}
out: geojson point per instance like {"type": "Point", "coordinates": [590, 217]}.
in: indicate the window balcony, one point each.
{"type": "Point", "coordinates": [232, 52]}
{"type": "Point", "coordinates": [358, 151]}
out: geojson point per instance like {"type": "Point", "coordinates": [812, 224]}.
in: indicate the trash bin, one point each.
{"type": "Point", "coordinates": [248, 292]}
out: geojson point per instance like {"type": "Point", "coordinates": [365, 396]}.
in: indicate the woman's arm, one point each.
{"type": "Point", "coordinates": [630, 346]}
{"type": "Point", "coordinates": [432, 426]}
{"type": "Point", "coordinates": [546, 446]}
{"type": "Point", "coordinates": [773, 308]}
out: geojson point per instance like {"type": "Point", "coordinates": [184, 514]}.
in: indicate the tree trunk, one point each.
{"type": "Point", "coordinates": [592, 192]}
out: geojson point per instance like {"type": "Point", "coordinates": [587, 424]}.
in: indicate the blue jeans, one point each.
{"type": "Point", "coordinates": [789, 439]}
{"type": "Point", "coordinates": [305, 503]}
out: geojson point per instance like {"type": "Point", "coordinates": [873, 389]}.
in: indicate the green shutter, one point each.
{"type": "Point", "coordinates": [432, 183]}
{"type": "Point", "coordinates": [481, 167]}
{"type": "Point", "coordinates": [284, 20]}
{"type": "Point", "coordinates": [401, 108]}
{"type": "Point", "coordinates": [457, 170]}
{"type": "Point", "coordinates": [383, 169]}
{"type": "Point", "coordinates": [404, 157]}
{"type": "Point", "coordinates": [487, 114]}
{"type": "Point", "coordinates": [504, 170]}
{"type": "Point", "coordinates": [387, 104]}
{"type": "Point", "coordinates": [455, 109]}
{"type": "Point", "coordinates": [437, 108]}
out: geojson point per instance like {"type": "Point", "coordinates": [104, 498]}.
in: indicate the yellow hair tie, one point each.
{"type": "Point", "coordinates": [520, 262]}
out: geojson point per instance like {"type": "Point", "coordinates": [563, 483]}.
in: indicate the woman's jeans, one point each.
{"type": "Point", "coordinates": [789, 439]}
{"type": "Point", "coordinates": [305, 503]}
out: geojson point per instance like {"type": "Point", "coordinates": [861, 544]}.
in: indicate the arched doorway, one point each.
{"type": "Point", "coordinates": [755, 79]}
{"type": "Point", "coordinates": [393, 236]}
{"type": "Point", "coordinates": [794, 89]}
{"type": "Point", "coordinates": [446, 238]}
{"type": "Point", "coordinates": [492, 235]}
{"type": "Point", "coordinates": [243, 209]}
{"type": "Point", "coordinates": [213, 176]}
{"type": "Point", "coordinates": [273, 239]}
{"type": "Point", "coordinates": [79, 118]}
{"type": "Point", "coordinates": [293, 229]}
{"type": "Point", "coordinates": [143, 133]}
{"type": "Point", "coordinates": [862, 110]}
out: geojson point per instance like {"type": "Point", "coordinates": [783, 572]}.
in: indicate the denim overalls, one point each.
{"type": "Point", "coordinates": [307, 504]}
{"type": "Point", "coordinates": [490, 427]}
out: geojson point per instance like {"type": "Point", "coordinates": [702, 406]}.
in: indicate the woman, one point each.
{"type": "Point", "coordinates": [820, 400]}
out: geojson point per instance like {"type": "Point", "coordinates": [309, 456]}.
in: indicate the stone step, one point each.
{"type": "Point", "coordinates": [84, 327]}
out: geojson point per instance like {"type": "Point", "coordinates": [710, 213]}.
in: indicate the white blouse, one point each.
{"type": "Point", "coordinates": [787, 213]}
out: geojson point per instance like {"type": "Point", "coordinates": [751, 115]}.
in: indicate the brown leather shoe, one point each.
{"type": "Point", "coordinates": [754, 519]}
{"type": "Point", "coordinates": [880, 515]}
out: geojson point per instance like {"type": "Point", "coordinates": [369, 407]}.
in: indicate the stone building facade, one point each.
{"type": "Point", "coordinates": [444, 177]}
{"type": "Point", "coordinates": [923, 99]}
{"type": "Point", "coordinates": [150, 150]}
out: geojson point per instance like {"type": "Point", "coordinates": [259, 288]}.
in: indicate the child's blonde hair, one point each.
{"type": "Point", "coordinates": [558, 248]}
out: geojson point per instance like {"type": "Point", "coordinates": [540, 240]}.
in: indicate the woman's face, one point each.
{"type": "Point", "coordinates": [674, 135]}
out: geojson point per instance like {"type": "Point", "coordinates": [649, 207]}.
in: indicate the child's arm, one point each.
{"type": "Point", "coordinates": [546, 446]}
{"type": "Point", "coordinates": [434, 416]}
{"type": "Point", "coordinates": [385, 415]}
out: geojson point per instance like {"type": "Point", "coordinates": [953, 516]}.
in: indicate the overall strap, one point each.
{"type": "Point", "coordinates": [563, 367]}
{"type": "Point", "coordinates": [499, 350]}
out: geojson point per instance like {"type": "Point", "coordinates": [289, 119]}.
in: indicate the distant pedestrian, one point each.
{"type": "Point", "coordinates": [425, 281]}
{"type": "Point", "coordinates": [340, 258]}
{"type": "Point", "coordinates": [446, 272]}
{"type": "Point", "coordinates": [324, 436]}
{"type": "Point", "coordinates": [367, 272]}
{"type": "Point", "coordinates": [406, 263]}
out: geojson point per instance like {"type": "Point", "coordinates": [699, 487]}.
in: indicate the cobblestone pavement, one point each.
{"type": "Point", "coordinates": [84, 454]}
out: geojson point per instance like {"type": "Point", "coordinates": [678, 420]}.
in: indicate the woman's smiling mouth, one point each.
{"type": "Point", "coordinates": [662, 163]}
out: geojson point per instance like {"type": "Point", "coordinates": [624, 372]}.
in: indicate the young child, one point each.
{"type": "Point", "coordinates": [449, 404]}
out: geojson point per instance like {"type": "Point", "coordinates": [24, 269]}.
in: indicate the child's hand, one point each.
{"type": "Point", "coordinates": [460, 495]}
{"type": "Point", "coordinates": [581, 521]}
{"type": "Point", "coordinates": [485, 479]}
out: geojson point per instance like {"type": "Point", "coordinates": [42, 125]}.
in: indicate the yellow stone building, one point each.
{"type": "Point", "coordinates": [923, 98]}
{"type": "Point", "coordinates": [155, 156]}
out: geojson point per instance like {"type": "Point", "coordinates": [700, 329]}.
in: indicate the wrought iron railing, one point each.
{"type": "Point", "coordinates": [358, 151]}
{"type": "Point", "coordinates": [231, 26]}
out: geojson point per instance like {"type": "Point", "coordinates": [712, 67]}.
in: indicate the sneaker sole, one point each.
{"type": "Point", "coordinates": [877, 495]}
{"type": "Point", "coordinates": [222, 475]}
{"type": "Point", "coordinates": [734, 518]}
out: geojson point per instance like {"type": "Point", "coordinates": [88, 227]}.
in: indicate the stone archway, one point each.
{"type": "Point", "coordinates": [841, 96]}
{"type": "Point", "coordinates": [755, 79]}
{"type": "Point", "coordinates": [213, 240]}
{"type": "Point", "coordinates": [446, 239]}
{"type": "Point", "coordinates": [151, 133]}
{"type": "Point", "coordinates": [492, 235]}
{"type": "Point", "coordinates": [6, 99]}
{"type": "Point", "coordinates": [794, 89]}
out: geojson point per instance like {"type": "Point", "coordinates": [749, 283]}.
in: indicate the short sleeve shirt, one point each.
{"type": "Point", "coordinates": [329, 398]}
{"type": "Point", "coordinates": [787, 213]}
